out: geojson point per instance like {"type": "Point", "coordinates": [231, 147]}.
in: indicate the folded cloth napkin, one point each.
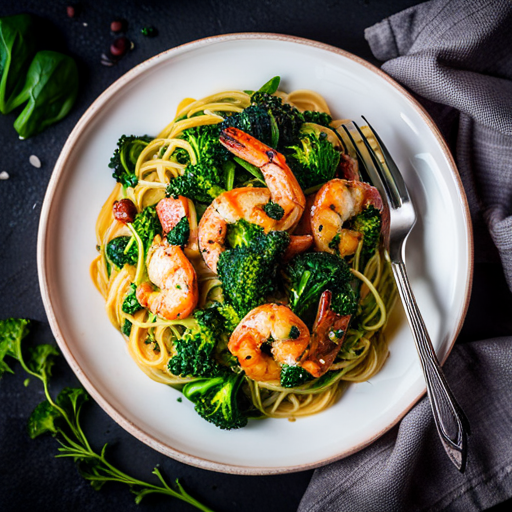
{"type": "Point", "coordinates": [456, 57]}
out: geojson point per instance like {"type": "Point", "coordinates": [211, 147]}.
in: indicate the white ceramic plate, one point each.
{"type": "Point", "coordinates": [439, 252]}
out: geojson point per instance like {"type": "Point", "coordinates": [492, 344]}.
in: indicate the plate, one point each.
{"type": "Point", "coordinates": [439, 251]}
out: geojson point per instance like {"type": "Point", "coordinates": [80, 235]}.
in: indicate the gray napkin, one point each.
{"type": "Point", "coordinates": [456, 57]}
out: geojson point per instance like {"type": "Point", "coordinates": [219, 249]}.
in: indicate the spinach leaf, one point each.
{"type": "Point", "coordinates": [119, 253]}
{"type": "Point", "coordinates": [17, 47]}
{"type": "Point", "coordinates": [180, 233]}
{"type": "Point", "coordinates": [271, 86]}
{"type": "Point", "coordinates": [50, 88]}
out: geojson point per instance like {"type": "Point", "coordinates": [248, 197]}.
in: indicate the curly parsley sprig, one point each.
{"type": "Point", "coordinates": [61, 418]}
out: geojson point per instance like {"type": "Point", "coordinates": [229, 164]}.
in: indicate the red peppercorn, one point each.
{"type": "Point", "coordinates": [70, 11]}
{"type": "Point", "coordinates": [124, 210]}
{"type": "Point", "coordinates": [117, 26]}
{"type": "Point", "coordinates": [119, 47]}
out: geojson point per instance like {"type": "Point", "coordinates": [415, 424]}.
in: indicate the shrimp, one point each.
{"type": "Point", "coordinates": [270, 324]}
{"type": "Point", "coordinates": [171, 271]}
{"type": "Point", "coordinates": [298, 244]}
{"type": "Point", "coordinates": [248, 202]}
{"type": "Point", "coordinates": [336, 202]}
{"type": "Point", "coordinates": [329, 332]}
{"type": "Point", "coordinates": [281, 182]}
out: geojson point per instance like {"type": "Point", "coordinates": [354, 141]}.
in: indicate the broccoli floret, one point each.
{"type": "Point", "coordinates": [180, 233]}
{"type": "Point", "coordinates": [130, 303]}
{"type": "Point", "coordinates": [344, 303]}
{"type": "Point", "coordinates": [293, 376]}
{"type": "Point", "coordinates": [195, 349]}
{"type": "Point", "coordinates": [321, 118]}
{"type": "Point", "coordinates": [147, 224]}
{"type": "Point", "coordinates": [308, 275]}
{"type": "Point", "coordinates": [198, 182]}
{"type": "Point", "coordinates": [242, 233]}
{"type": "Point", "coordinates": [217, 400]}
{"type": "Point", "coordinates": [248, 273]}
{"type": "Point", "coordinates": [125, 157]}
{"type": "Point", "coordinates": [256, 121]}
{"type": "Point", "coordinates": [124, 249]}
{"type": "Point", "coordinates": [288, 119]}
{"type": "Point", "coordinates": [369, 223]}
{"type": "Point", "coordinates": [230, 317]}
{"type": "Point", "coordinates": [274, 210]}
{"type": "Point", "coordinates": [118, 252]}
{"type": "Point", "coordinates": [205, 143]}
{"type": "Point", "coordinates": [203, 181]}
{"type": "Point", "coordinates": [312, 159]}
{"type": "Point", "coordinates": [127, 327]}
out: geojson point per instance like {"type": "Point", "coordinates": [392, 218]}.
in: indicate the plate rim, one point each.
{"type": "Point", "coordinates": [46, 211]}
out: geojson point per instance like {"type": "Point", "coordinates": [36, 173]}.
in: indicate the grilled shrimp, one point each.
{"type": "Point", "coordinates": [335, 203]}
{"type": "Point", "coordinates": [171, 271]}
{"type": "Point", "coordinates": [329, 332]}
{"type": "Point", "coordinates": [273, 326]}
{"type": "Point", "coordinates": [281, 182]}
{"type": "Point", "coordinates": [298, 244]}
{"type": "Point", "coordinates": [304, 225]}
{"type": "Point", "coordinates": [248, 202]}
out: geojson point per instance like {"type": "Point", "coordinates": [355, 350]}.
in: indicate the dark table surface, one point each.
{"type": "Point", "coordinates": [30, 477]}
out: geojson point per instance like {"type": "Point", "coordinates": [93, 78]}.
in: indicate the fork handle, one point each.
{"type": "Point", "coordinates": [451, 422]}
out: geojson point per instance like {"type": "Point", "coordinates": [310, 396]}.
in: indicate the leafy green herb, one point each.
{"type": "Point", "coordinates": [17, 47]}
{"type": "Point", "coordinates": [335, 242]}
{"type": "Point", "coordinates": [51, 87]}
{"type": "Point", "coordinates": [180, 233]}
{"type": "Point", "coordinates": [61, 418]}
{"type": "Point", "coordinates": [127, 327]}
{"type": "Point", "coordinates": [271, 86]}
{"type": "Point", "coordinates": [273, 210]}
{"type": "Point", "coordinates": [149, 31]}
{"type": "Point", "coordinates": [294, 332]}
{"type": "Point", "coordinates": [252, 169]}
{"type": "Point", "coordinates": [12, 331]}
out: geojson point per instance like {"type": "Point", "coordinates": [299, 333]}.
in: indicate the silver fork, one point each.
{"type": "Point", "coordinates": [451, 422]}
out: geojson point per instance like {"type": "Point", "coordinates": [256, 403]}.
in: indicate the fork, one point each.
{"type": "Point", "coordinates": [451, 422]}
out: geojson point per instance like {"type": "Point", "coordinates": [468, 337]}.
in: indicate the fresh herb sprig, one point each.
{"type": "Point", "coordinates": [61, 418]}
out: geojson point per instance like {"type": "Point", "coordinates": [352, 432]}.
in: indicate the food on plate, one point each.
{"type": "Point", "coordinates": [241, 256]}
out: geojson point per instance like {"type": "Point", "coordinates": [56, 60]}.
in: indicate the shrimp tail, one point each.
{"type": "Point", "coordinates": [329, 333]}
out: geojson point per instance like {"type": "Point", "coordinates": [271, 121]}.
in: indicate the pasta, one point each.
{"type": "Point", "coordinates": [153, 338]}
